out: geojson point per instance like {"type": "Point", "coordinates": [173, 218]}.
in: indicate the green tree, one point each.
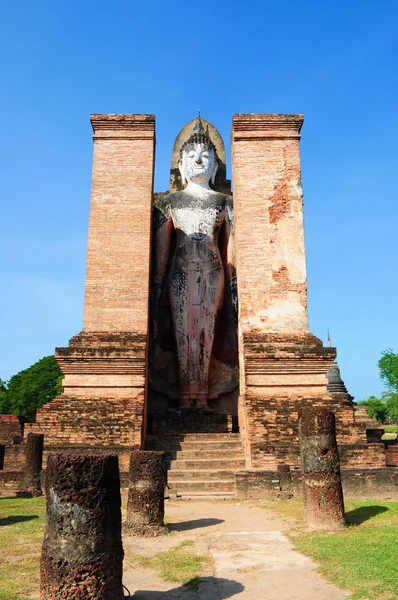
{"type": "Point", "coordinates": [31, 388]}
{"type": "Point", "coordinates": [388, 368]}
{"type": "Point", "coordinates": [4, 400]}
{"type": "Point", "coordinates": [391, 400]}
{"type": "Point", "coordinates": [376, 408]}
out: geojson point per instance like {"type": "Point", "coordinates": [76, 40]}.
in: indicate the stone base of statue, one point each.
{"type": "Point", "coordinates": [191, 420]}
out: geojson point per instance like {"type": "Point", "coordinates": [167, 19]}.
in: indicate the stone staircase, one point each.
{"type": "Point", "coordinates": [201, 465]}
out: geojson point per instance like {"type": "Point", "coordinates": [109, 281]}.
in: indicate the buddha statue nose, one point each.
{"type": "Point", "coordinates": [198, 160]}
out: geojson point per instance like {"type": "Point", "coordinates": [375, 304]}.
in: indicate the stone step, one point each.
{"type": "Point", "coordinates": [196, 436]}
{"type": "Point", "coordinates": [173, 444]}
{"type": "Point", "coordinates": [228, 454]}
{"type": "Point", "coordinates": [181, 487]}
{"type": "Point", "coordinates": [191, 437]}
{"type": "Point", "coordinates": [211, 445]}
{"type": "Point", "coordinates": [234, 464]}
{"type": "Point", "coordinates": [204, 495]}
{"type": "Point", "coordinates": [203, 474]}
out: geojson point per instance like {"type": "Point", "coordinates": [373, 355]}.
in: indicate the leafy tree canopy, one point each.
{"type": "Point", "coordinates": [382, 408]}
{"type": "Point", "coordinates": [388, 368]}
{"type": "Point", "coordinates": [377, 409]}
{"type": "Point", "coordinates": [31, 388]}
{"type": "Point", "coordinates": [391, 400]}
{"type": "Point", "coordinates": [4, 404]}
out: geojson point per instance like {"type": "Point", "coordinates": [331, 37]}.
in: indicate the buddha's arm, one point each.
{"type": "Point", "coordinates": [230, 254]}
{"type": "Point", "coordinates": [163, 227]}
{"type": "Point", "coordinates": [163, 231]}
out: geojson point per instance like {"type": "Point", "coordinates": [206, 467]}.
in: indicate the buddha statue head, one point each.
{"type": "Point", "coordinates": [198, 158]}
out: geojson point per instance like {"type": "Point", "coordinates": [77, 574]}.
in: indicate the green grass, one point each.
{"type": "Point", "coordinates": [390, 428]}
{"type": "Point", "coordinates": [361, 558]}
{"type": "Point", "coordinates": [21, 534]}
{"type": "Point", "coordinates": [390, 432]}
{"type": "Point", "coordinates": [177, 565]}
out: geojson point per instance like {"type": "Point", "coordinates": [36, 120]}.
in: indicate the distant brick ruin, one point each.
{"type": "Point", "coordinates": [112, 398]}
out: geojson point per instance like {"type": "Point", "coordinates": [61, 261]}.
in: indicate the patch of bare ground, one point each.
{"type": "Point", "coordinates": [244, 550]}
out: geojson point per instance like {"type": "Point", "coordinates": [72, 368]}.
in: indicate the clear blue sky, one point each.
{"type": "Point", "coordinates": [336, 62]}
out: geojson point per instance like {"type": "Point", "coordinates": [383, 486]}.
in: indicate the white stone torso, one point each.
{"type": "Point", "coordinates": [194, 220]}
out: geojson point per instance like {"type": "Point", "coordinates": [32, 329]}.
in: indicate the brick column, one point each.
{"type": "Point", "coordinates": [118, 258]}
{"type": "Point", "coordinates": [282, 365]}
{"type": "Point", "coordinates": [145, 505]}
{"type": "Point", "coordinates": [82, 553]}
{"type": "Point", "coordinates": [105, 365]}
{"type": "Point", "coordinates": [320, 463]}
{"type": "Point", "coordinates": [33, 464]}
{"type": "Point", "coordinates": [269, 225]}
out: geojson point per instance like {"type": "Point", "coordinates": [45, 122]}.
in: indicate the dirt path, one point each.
{"type": "Point", "coordinates": [250, 557]}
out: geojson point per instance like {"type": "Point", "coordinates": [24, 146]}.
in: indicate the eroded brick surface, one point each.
{"type": "Point", "coordinates": [269, 228]}
{"type": "Point", "coordinates": [118, 258]}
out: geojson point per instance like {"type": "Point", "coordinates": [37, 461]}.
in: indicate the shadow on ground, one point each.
{"type": "Point", "coordinates": [195, 524]}
{"type": "Point", "coordinates": [209, 588]}
{"type": "Point", "coordinates": [364, 513]}
{"type": "Point", "coordinates": [17, 519]}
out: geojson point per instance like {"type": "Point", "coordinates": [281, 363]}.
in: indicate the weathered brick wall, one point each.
{"type": "Point", "coordinates": [14, 458]}
{"type": "Point", "coordinates": [10, 482]}
{"type": "Point", "coordinates": [362, 456]}
{"type": "Point", "coordinates": [357, 483]}
{"type": "Point", "coordinates": [282, 372]}
{"type": "Point", "coordinates": [11, 431]}
{"type": "Point", "coordinates": [392, 456]}
{"type": "Point", "coordinates": [83, 421]}
{"type": "Point", "coordinates": [103, 402]}
{"type": "Point", "coordinates": [272, 431]}
{"type": "Point", "coordinates": [118, 256]}
{"type": "Point", "coordinates": [269, 226]}
{"type": "Point", "coordinates": [102, 364]}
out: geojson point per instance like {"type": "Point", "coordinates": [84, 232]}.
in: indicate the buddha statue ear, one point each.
{"type": "Point", "coordinates": [181, 168]}
{"type": "Point", "coordinates": [213, 176]}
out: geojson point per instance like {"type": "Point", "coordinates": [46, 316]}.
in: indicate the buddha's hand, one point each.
{"type": "Point", "coordinates": [156, 295]}
{"type": "Point", "coordinates": [234, 296]}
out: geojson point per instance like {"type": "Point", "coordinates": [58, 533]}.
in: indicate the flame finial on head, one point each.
{"type": "Point", "coordinates": [198, 136]}
{"type": "Point", "coordinates": [198, 127]}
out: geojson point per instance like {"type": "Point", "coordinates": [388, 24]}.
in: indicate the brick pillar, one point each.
{"type": "Point", "coordinates": [103, 401]}
{"type": "Point", "coordinates": [82, 548]}
{"type": "Point", "coordinates": [145, 505]}
{"type": "Point", "coordinates": [282, 365]}
{"type": "Point", "coordinates": [33, 464]}
{"type": "Point", "coordinates": [118, 257]}
{"type": "Point", "coordinates": [269, 225]}
{"type": "Point", "coordinates": [322, 491]}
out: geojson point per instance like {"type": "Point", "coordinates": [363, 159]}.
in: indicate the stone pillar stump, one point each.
{"type": "Point", "coordinates": [31, 485]}
{"type": "Point", "coordinates": [145, 505]}
{"type": "Point", "coordinates": [322, 491]}
{"type": "Point", "coordinates": [82, 548]}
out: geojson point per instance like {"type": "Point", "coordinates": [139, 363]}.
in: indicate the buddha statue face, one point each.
{"type": "Point", "coordinates": [198, 163]}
